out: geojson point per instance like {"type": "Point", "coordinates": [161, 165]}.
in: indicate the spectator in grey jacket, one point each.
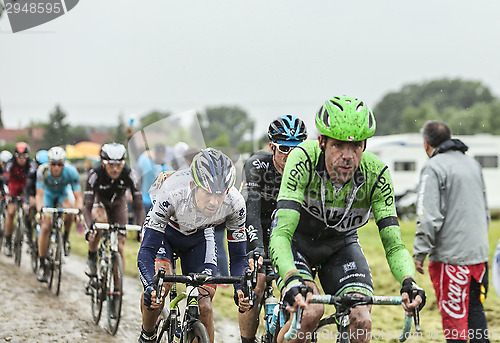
{"type": "Point", "coordinates": [452, 229]}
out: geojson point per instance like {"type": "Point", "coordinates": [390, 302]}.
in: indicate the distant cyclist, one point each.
{"type": "Point", "coordinates": [19, 175]}
{"type": "Point", "coordinates": [105, 199]}
{"type": "Point", "coordinates": [57, 186]}
{"type": "Point", "coordinates": [329, 188]}
{"type": "Point", "coordinates": [42, 156]}
{"type": "Point", "coordinates": [187, 204]}
{"type": "Point", "coordinates": [262, 180]}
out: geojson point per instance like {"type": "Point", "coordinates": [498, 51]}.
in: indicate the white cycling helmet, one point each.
{"type": "Point", "coordinates": [113, 151]}
{"type": "Point", "coordinates": [5, 156]}
{"type": "Point", "coordinates": [57, 154]}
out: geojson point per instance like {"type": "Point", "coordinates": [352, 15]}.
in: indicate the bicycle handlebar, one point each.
{"type": "Point", "coordinates": [196, 279]}
{"type": "Point", "coordinates": [107, 226]}
{"type": "Point", "coordinates": [350, 301]}
{"type": "Point", "coordinates": [60, 210]}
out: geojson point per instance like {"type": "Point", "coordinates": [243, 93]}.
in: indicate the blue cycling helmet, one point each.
{"type": "Point", "coordinates": [287, 130]}
{"type": "Point", "coordinates": [42, 156]}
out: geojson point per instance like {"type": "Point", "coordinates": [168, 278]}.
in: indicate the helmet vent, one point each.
{"type": "Point", "coordinates": [370, 120]}
{"type": "Point", "coordinates": [326, 118]}
{"type": "Point", "coordinates": [360, 106]}
{"type": "Point", "coordinates": [336, 104]}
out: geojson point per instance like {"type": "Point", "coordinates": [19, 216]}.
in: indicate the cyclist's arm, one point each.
{"type": "Point", "coordinates": [296, 177]}
{"type": "Point", "coordinates": [74, 181]}
{"type": "Point", "coordinates": [252, 193]}
{"type": "Point", "coordinates": [39, 199]}
{"type": "Point", "coordinates": [135, 190]}
{"type": "Point", "coordinates": [39, 188]}
{"type": "Point", "coordinates": [78, 199]}
{"type": "Point", "coordinates": [31, 179]}
{"type": "Point", "coordinates": [151, 243]}
{"type": "Point", "coordinates": [88, 200]}
{"type": "Point", "coordinates": [6, 173]}
{"type": "Point", "coordinates": [382, 201]}
{"type": "Point", "coordinates": [236, 235]}
{"type": "Point", "coordinates": [153, 231]}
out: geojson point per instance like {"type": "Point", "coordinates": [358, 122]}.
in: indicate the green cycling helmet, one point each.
{"type": "Point", "coordinates": [346, 119]}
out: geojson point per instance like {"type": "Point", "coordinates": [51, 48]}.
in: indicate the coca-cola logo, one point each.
{"type": "Point", "coordinates": [454, 298]}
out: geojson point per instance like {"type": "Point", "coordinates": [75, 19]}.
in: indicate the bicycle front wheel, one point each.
{"type": "Point", "coordinates": [97, 290]}
{"type": "Point", "coordinates": [18, 239]}
{"type": "Point", "coordinates": [2, 227]}
{"type": "Point", "coordinates": [34, 250]}
{"type": "Point", "coordinates": [56, 251]}
{"type": "Point", "coordinates": [197, 331]}
{"type": "Point", "coordinates": [114, 295]}
{"type": "Point", "coordinates": [162, 327]}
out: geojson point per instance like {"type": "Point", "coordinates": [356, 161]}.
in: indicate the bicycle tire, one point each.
{"type": "Point", "coordinates": [114, 295]}
{"type": "Point", "coordinates": [97, 286]}
{"type": "Point", "coordinates": [57, 261]}
{"type": "Point", "coordinates": [2, 227]}
{"type": "Point", "coordinates": [197, 330]}
{"type": "Point", "coordinates": [163, 328]}
{"type": "Point", "coordinates": [34, 251]}
{"type": "Point", "coordinates": [18, 240]}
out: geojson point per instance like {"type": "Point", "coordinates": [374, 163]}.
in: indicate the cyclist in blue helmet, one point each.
{"type": "Point", "coordinates": [42, 156]}
{"type": "Point", "coordinates": [285, 133]}
{"type": "Point", "coordinates": [262, 179]}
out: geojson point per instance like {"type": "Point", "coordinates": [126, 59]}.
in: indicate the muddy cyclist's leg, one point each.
{"type": "Point", "coordinates": [69, 202]}
{"type": "Point", "coordinates": [9, 220]}
{"type": "Point", "coordinates": [150, 315]}
{"type": "Point", "coordinates": [310, 319]}
{"type": "Point", "coordinates": [118, 213]}
{"type": "Point", "coordinates": [249, 321]}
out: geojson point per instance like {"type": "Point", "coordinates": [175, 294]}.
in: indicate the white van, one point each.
{"type": "Point", "coordinates": [404, 155]}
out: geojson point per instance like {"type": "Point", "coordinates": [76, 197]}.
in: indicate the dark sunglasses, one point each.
{"type": "Point", "coordinates": [114, 162]}
{"type": "Point", "coordinates": [284, 149]}
{"type": "Point", "coordinates": [59, 164]}
{"type": "Point", "coordinates": [21, 155]}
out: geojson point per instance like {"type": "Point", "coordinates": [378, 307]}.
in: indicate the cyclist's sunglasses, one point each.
{"type": "Point", "coordinates": [284, 149]}
{"type": "Point", "coordinates": [24, 155]}
{"type": "Point", "coordinates": [59, 164]}
{"type": "Point", "coordinates": [114, 162]}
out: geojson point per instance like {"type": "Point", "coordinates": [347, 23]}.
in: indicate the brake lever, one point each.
{"type": "Point", "coordinates": [159, 285]}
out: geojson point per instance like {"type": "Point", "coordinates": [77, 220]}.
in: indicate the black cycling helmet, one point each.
{"type": "Point", "coordinates": [213, 171]}
{"type": "Point", "coordinates": [113, 151]}
{"type": "Point", "coordinates": [287, 130]}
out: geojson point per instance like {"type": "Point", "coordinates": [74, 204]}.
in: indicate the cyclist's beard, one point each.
{"type": "Point", "coordinates": [342, 173]}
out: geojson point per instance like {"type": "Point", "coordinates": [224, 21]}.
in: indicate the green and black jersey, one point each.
{"type": "Point", "coordinates": [307, 189]}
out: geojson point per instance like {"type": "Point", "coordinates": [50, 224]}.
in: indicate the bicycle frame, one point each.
{"type": "Point", "coordinates": [56, 248]}
{"type": "Point", "coordinates": [108, 283]}
{"type": "Point", "coordinates": [190, 323]}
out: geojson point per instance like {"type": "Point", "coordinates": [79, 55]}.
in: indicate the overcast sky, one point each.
{"type": "Point", "coordinates": [269, 57]}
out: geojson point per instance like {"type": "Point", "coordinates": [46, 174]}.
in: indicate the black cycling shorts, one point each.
{"type": "Point", "coordinates": [339, 263]}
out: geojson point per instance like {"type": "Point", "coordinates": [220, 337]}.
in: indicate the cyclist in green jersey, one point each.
{"type": "Point", "coordinates": [329, 188]}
